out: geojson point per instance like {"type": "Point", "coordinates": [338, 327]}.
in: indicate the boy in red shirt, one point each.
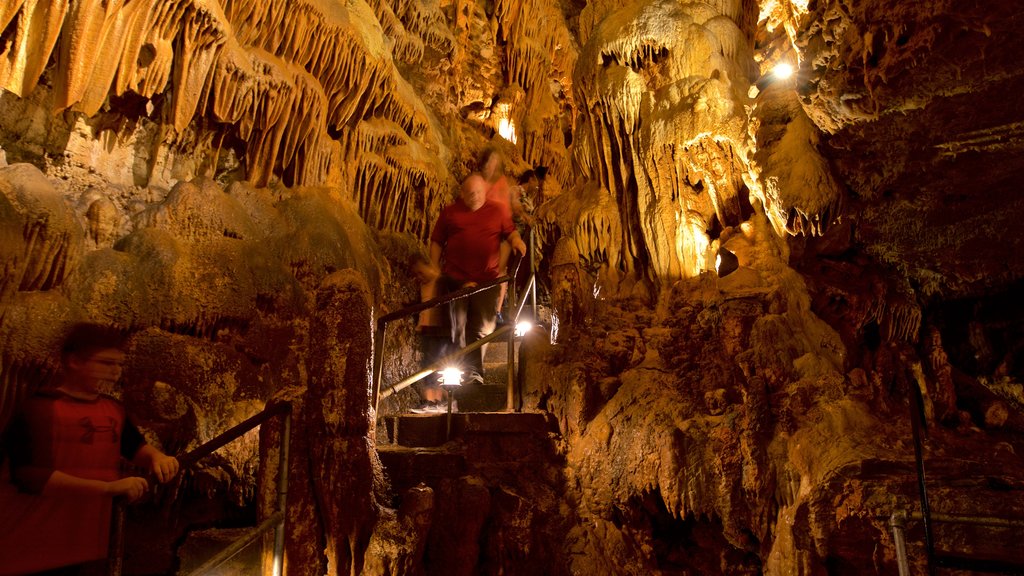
{"type": "Point", "coordinates": [64, 451]}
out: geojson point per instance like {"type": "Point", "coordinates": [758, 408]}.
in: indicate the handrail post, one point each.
{"type": "Point", "coordinates": [116, 545]}
{"type": "Point", "coordinates": [282, 491]}
{"type": "Point", "coordinates": [511, 360]}
{"type": "Point", "coordinates": [898, 522]}
{"type": "Point", "coordinates": [533, 275]}
{"type": "Point", "coordinates": [379, 337]}
{"type": "Point", "coordinates": [916, 424]}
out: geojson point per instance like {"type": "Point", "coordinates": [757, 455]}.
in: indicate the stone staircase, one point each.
{"type": "Point", "coordinates": [491, 443]}
{"type": "Point", "coordinates": [495, 478]}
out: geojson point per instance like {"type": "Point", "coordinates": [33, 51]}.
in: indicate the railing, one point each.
{"type": "Point", "coordinates": [275, 520]}
{"type": "Point", "coordinates": [898, 520]}
{"type": "Point", "coordinates": [507, 331]}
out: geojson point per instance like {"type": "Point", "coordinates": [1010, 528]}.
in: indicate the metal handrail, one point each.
{"type": "Point", "coordinates": [232, 434]}
{"type": "Point", "coordinates": [898, 522]}
{"type": "Point", "coordinates": [276, 520]}
{"type": "Point", "coordinates": [239, 544]}
{"type": "Point", "coordinates": [446, 361]}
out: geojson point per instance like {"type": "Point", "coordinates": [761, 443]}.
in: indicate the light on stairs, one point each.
{"type": "Point", "coordinates": [451, 376]}
{"type": "Point", "coordinates": [523, 327]}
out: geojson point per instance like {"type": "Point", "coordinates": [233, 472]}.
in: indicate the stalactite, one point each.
{"type": "Point", "coordinates": [201, 39]}
{"type": "Point", "coordinates": [38, 28]}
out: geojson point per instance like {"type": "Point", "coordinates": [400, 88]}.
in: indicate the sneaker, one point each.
{"type": "Point", "coordinates": [500, 320]}
{"type": "Point", "coordinates": [474, 377]}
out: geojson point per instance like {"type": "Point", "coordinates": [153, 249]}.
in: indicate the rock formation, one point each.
{"type": "Point", "coordinates": [240, 183]}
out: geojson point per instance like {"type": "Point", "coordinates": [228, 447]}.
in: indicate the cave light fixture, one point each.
{"type": "Point", "coordinates": [726, 262]}
{"type": "Point", "coordinates": [522, 327]}
{"type": "Point", "coordinates": [782, 70]}
{"type": "Point", "coordinates": [450, 376]}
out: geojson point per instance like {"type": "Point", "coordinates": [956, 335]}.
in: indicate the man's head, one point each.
{"type": "Point", "coordinates": [474, 192]}
{"type": "Point", "coordinates": [94, 354]}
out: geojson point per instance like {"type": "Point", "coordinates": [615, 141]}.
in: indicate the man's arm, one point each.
{"type": "Point", "coordinates": [435, 254]}
{"type": "Point", "coordinates": [517, 244]}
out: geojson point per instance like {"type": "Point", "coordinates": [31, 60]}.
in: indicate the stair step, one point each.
{"type": "Point", "coordinates": [430, 430]}
{"type": "Point", "coordinates": [496, 444]}
{"type": "Point", "coordinates": [418, 430]}
{"type": "Point", "coordinates": [482, 398]}
{"type": "Point", "coordinates": [406, 467]}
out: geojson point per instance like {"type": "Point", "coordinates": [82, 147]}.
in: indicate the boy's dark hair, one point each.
{"type": "Point", "coordinates": [85, 338]}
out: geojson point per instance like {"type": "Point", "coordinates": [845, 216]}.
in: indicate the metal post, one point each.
{"type": "Point", "coordinates": [916, 424]}
{"type": "Point", "coordinates": [511, 362]}
{"type": "Point", "coordinates": [282, 492]}
{"type": "Point", "coordinates": [533, 277]}
{"type": "Point", "coordinates": [116, 545]}
{"type": "Point", "coordinates": [448, 424]}
{"type": "Point", "coordinates": [898, 522]}
{"type": "Point", "coordinates": [379, 338]}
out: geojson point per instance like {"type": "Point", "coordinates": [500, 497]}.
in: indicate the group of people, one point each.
{"type": "Point", "coordinates": [470, 245]}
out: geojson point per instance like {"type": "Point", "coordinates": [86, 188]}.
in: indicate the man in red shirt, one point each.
{"type": "Point", "coordinates": [465, 245]}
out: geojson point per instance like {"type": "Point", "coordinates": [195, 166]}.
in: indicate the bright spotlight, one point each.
{"type": "Point", "coordinates": [523, 327]}
{"type": "Point", "coordinates": [782, 70]}
{"type": "Point", "coordinates": [451, 377]}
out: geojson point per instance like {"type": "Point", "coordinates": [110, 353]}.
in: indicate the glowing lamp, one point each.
{"type": "Point", "coordinates": [451, 376]}
{"type": "Point", "coordinates": [523, 327]}
{"type": "Point", "coordinates": [782, 70]}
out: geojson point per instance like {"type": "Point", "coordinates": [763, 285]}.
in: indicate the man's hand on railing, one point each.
{"type": "Point", "coordinates": [517, 244]}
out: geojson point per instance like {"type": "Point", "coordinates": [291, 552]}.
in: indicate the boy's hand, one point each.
{"type": "Point", "coordinates": [518, 246]}
{"type": "Point", "coordinates": [131, 488]}
{"type": "Point", "coordinates": [164, 467]}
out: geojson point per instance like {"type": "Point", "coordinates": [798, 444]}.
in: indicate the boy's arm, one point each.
{"type": "Point", "coordinates": [62, 483]}
{"type": "Point", "coordinates": [162, 466]}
